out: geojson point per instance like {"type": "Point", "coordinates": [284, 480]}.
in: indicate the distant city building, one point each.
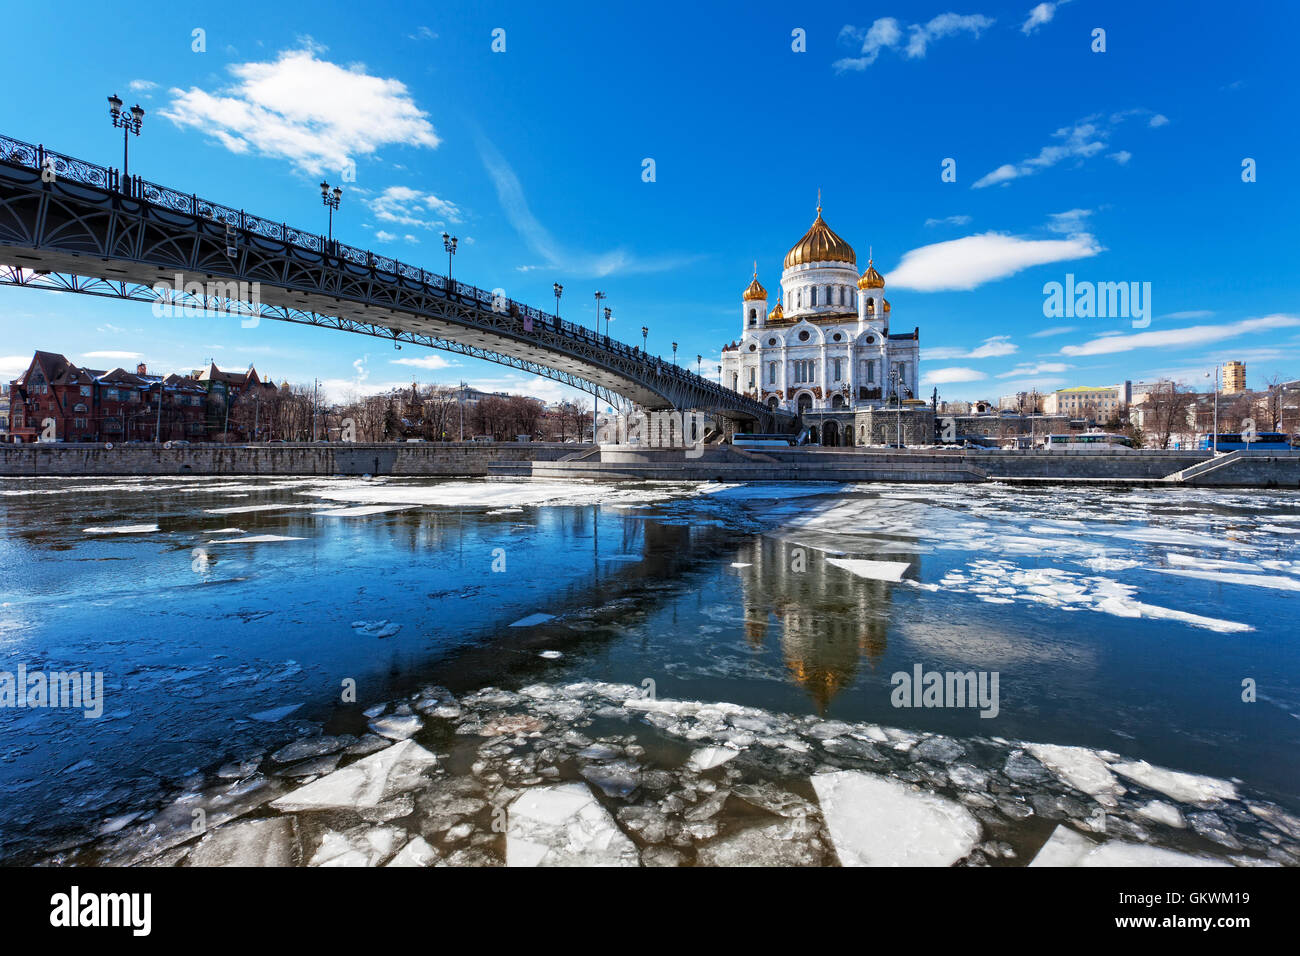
{"type": "Point", "coordinates": [1234, 378]}
{"type": "Point", "coordinates": [1087, 401]}
{"type": "Point", "coordinates": [4, 411]}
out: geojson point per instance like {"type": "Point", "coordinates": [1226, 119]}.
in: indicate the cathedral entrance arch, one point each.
{"type": "Point", "coordinates": [805, 403]}
{"type": "Point", "coordinates": [830, 434]}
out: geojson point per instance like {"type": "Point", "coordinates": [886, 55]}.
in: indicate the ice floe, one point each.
{"type": "Point", "coordinates": [1068, 847]}
{"type": "Point", "coordinates": [874, 570]}
{"type": "Point", "coordinates": [122, 529]}
{"type": "Point", "coordinates": [364, 783]}
{"type": "Point", "coordinates": [564, 825]}
{"type": "Point", "coordinates": [877, 821]}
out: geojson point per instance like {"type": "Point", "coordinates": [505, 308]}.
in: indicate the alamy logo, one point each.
{"type": "Point", "coordinates": [1101, 300]}
{"type": "Point", "coordinates": [180, 299]}
{"type": "Point", "coordinates": [57, 689]}
{"type": "Point", "coordinates": [923, 688]}
{"type": "Point", "coordinates": [667, 429]}
{"type": "Point", "coordinates": [74, 908]}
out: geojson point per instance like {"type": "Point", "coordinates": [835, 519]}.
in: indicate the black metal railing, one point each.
{"type": "Point", "coordinates": [40, 159]}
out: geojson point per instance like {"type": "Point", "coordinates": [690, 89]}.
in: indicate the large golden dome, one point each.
{"type": "Point", "coordinates": [820, 244]}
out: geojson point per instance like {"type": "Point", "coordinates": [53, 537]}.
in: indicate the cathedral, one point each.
{"type": "Point", "coordinates": [824, 350]}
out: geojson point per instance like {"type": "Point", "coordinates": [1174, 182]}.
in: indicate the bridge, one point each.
{"type": "Point", "coordinates": [73, 226]}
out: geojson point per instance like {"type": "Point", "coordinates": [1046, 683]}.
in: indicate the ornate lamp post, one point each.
{"type": "Point", "coordinates": [698, 360]}
{"type": "Point", "coordinates": [644, 332]}
{"type": "Point", "coordinates": [559, 290]}
{"type": "Point", "coordinates": [595, 407]}
{"type": "Point", "coordinates": [449, 243]}
{"type": "Point", "coordinates": [674, 353]}
{"type": "Point", "coordinates": [331, 199]}
{"type": "Point", "coordinates": [608, 319]}
{"type": "Point", "coordinates": [128, 123]}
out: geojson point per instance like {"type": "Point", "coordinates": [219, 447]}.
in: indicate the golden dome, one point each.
{"type": "Point", "coordinates": [755, 290]}
{"type": "Point", "coordinates": [886, 305]}
{"type": "Point", "coordinates": [820, 244]}
{"type": "Point", "coordinates": [777, 312]}
{"type": "Point", "coordinates": [871, 279]}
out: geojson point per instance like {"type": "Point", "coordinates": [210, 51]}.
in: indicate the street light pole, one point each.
{"type": "Point", "coordinates": [645, 330]}
{"type": "Point", "coordinates": [674, 354]}
{"type": "Point", "coordinates": [330, 199]}
{"type": "Point", "coordinates": [129, 123]}
{"type": "Point", "coordinates": [595, 390]}
{"type": "Point", "coordinates": [559, 290]}
{"type": "Point", "coordinates": [449, 243]}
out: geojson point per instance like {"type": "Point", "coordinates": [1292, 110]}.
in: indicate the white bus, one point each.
{"type": "Point", "coordinates": [762, 441]}
{"type": "Point", "coordinates": [1077, 440]}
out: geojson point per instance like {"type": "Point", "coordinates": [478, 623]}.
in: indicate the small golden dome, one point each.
{"type": "Point", "coordinates": [871, 279]}
{"type": "Point", "coordinates": [755, 290]}
{"type": "Point", "coordinates": [820, 244]}
{"type": "Point", "coordinates": [777, 312]}
{"type": "Point", "coordinates": [886, 305]}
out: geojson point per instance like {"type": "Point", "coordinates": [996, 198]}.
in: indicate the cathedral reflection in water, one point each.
{"type": "Point", "coordinates": [826, 619]}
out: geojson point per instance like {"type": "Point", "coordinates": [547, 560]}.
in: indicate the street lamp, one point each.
{"type": "Point", "coordinates": [608, 319]}
{"type": "Point", "coordinates": [128, 123]}
{"type": "Point", "coordinates": [674, 353]}
{"type": "Point", "coordinates": [894, 378]}
{"type": "Point", "coordinates": [559, 290]}
{"type": "Point", "coordinates": [644, 332]}
{"type": "Point", "coordinates": [449, 243]}
{"type": "Point", "coordinates": [1214, 440]}
{"type": "Point", "coordinates": [330, 199]}
{"type": "Point", "coordinates": [698, 360]}
{"type": "Point", "coordinates": [595, 407]}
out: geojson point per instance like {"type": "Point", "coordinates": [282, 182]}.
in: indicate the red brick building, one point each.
{"type": "Point", "coordinates": [55, 400]}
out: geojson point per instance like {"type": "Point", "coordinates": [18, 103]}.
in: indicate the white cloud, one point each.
{"type": "Point", "coordinates": [1054, 330]}
{"type": "Point", "coordinates": [510, 192]}
{"type": "Point", "coordinates": [11, 366]}
{"type": "Point", "coordinates": [995, 347]}
{"type": "Point", "coordinates": [385, 236]}
{"type": "Point", "coordinates": [410, 207]}
{"type": "Point", "coordinates": [1079, 141]}
{"type": "Point", "coordinates": [1189, 337]}
{"type": "Point", "coordinates": [116, 356]}
{"type": "Point", "coordinates": [949, 221]}
{"type": "Point", "coordinates": [944, 376]}
{"type": "Point", "coordinates": [1041, 14]}
{"type": "Point", "coordinates": [1190, 314]}
{"type": "Point", "coordinates": [428, 362]}
{"type": "Point", "coordinates": [886, 33]}
{"type": "Point", "coordinates": [970, 262]}
{"type": "Point", "coordinates": [945, 24]}
{"type": "Point", "coordinates": [1036, 368]}
{"type": "Point", "coordinates": [141, 86]}
{"type": "Point", "coordinates": [1122, 156]}
{"type": "Point", "coordinates": [316, 114]}
{"type": "Point", "coordinates": [1069, 223]}
{"type": "Point", "coordinates": [1158, 120]}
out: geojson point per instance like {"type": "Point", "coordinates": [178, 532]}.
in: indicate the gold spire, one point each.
{"type": "Point", "coordinates": [871, 279]}
{"type": "Point", "coordinates": [820, 244]}
{"type": "Point", "coordinates": [755, 290]}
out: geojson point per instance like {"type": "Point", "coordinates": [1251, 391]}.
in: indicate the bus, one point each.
{"type": "Point", "coordinates": [1236, 441]}
{"type": "Point", "coordinates": [762, 441]}
{"type": "Point", "coordinates": [1075, 440]}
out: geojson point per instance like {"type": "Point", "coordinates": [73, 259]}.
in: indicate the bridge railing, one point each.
{"type": "Point", "coordinates": [38, 158]}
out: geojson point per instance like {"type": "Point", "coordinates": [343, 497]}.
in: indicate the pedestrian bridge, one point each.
{"type": "Point", "coordinates": [72, 226]}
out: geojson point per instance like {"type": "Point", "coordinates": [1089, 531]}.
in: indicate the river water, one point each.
{"type": "Point", "coordinates": [1143, 643]}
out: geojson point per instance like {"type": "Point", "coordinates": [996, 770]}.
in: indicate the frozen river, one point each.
{"type": "Point", "coordinates": [657, 673]}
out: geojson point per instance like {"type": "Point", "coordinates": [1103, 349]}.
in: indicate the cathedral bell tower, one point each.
{"type": "Point", "coordinates": [753, 305]}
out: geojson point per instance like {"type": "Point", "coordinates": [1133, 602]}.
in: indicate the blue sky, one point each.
{"type": "Point", "coordinates": [1123, 165]}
